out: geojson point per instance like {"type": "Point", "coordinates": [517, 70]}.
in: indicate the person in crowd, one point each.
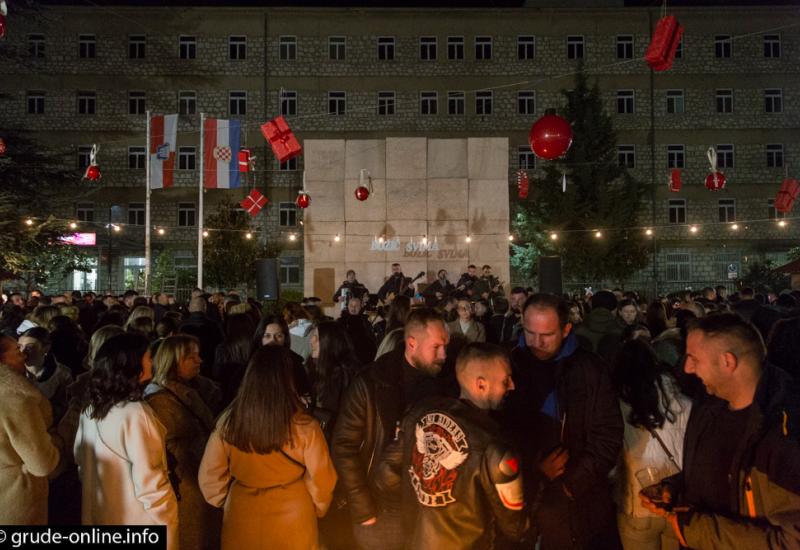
{"type": "Point", "coordinates": [466, 328]}
{"type": "Point", "coordinates": [42, 315]}
{"type": "Point", "coordinates": [628, 312]}
{"type": "Point", "coordinates": [128, 297]}
{"type": "Point", "coordinates": [42, 368]}
{"type": "Point", "coordinates": [296, 317]}
{"type": "Point", "coordinates": [567, 424]}
{"type": "Point", "coordinates": [494, 328]}
{"type": "Point", "coordinates": [349, 288]}
{"type": "Point", "coordinates": [438, 290]}
{"type": "Point", "coordinates": [18, 300]}
{"type": "Point", "coordinates": [120, 448]}
{"type": "Point", "coordinates": [68, 343]}
{"type": "Point", "coordinates": [396, 285]}
{"type": "Point", "coordinates": [232, 355]}
{"type": "Point", "coordinates": [488, 286]}
{"type": "Point", "coordinates": [137, 313]}
{"type": "Point", "coordinates": [466, 283]}
{"type": "Point", "coordinates": [207, 332]}
{"type": "Point", "coordinates": [188, 422]}
{"type": "Point", "coordinates": [482, 312]}
{"type": "Point", "coordinates": [512, 319]}
{"type": "Point", "coordinates": [739, 487]}
{"type": "Point", "coordinates": [722, 294]}
{"type": "Point", "coordinates": [747, 304]}
{"type": "Point", "coordinates": [267, 462]}
{"type": "Point", "coordinates": [369, 415]}
{"type": "Point", "coordinates": [655, 414]}
{"type": "Point", "coordinates": [356, 324]}
{"type": "Point", "coordinates": [656, 318]}
{"type": "Point", "coordinates": [167, 326]}
{"type": "Point", "coordinates": [784, 346]}
{"type": "Point", "coordinates": [11, 317]}
{"type": "Point", "coordinates": [577, 311]}
{"type": "Point", "coordinates": [272, 330]}
{"type": "Point", "coordinates": [142, 325]}
{"type": "Point", "coordinates": [28, 453]}
{"type": "Point", "coordinates": [395, 325]}
{"type": "Point", "coordinates": [600, 331]}
{"type": "Point", "coordinates": [460, 477]}
{"type": "Point", "coordinates": [449, 311]}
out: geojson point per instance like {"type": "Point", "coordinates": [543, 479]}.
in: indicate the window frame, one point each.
{"type": "Point", "coordinates": [137, 102]}
{"type": "Point", "coordinates": [726, 210]}
{"type": "Point", "coordinates": [526, 47]}
{"type": "Point", "coordinates": [458, 99]}
{"type": "Point", "coordinates": [287, 47]}
{"type": "Point", "coordinates": [287, 214]}
{"type": "Point", "coordinates": [37, 45]}
{"type": "Point", "coordinates": [385, 48]}
{"type": "Point", "coordinates": [87, 46]}
{"type": "Point", "coordinates": [484, 99]}
{"type": "Point", "coordinates": [84, 212]}
{"type": "Point", "coordinates": [776, 151]}
{"type": "Point", "coordinates": [773, 48]}
{"type": "Point", "coordinates": [187, 157]}
{"type": "Point", "coordinates": [386, 103]}
{"type": "Point", "coordinates": [87, 102]}
{"type": "Point", "coordinates": [428, 98]}
{"type": "Point", "coordinates": [137, 46]}
{"type": "Point", "coordinates": [237, 47]}
{"type": "Point", "coordinates": [34, 100]}
{"type": "Point", "coordinates": [678, 95]}
{"type": "Point", "coordinates": [526, 159]}
{"type": "Point", "coordinates": [187, 47]}
{"type": "Point", "coordinates": [677, 211]}
{"type": "Point", "coordinates": [340, 99]}
{"type": "Point", "coordinates": [678, 155]}
{"type": "Point", "coordinates": [723, 99]}
{"type": "Point", "coordinates": [624, 45]}
{"type": "Point", "coordinates": [237, 102]}
{"type": "Point", "coordinates": [336, 47]}
{"type": "Point", "coordinates": [288, 103]}
{"type": "Point", "coordinates": [626, 102]}
{"type": "Point", "coordinates": [187, 214]}
{"type": "Point", "coordinates": [187, 98]}
{"type": "Point", "coordinates": [428, 48]}
{"type": "Point", "coordinates": [526, 102]}
{"type": "Point", "coordinates": [723, 46]}
{"type": "Point", "coordinates": [626, 155]}
{"type": "Point", "coordinates": [576, 46]}
{"type": "Point", "coordinates": [483, 47]}
{"type": "Point", "coordinates": [137, 157]}
{"type": "Point", "coordinates": [455, 48]}
{"type": "Point", "coordinates": [726, 155]}
{"type": "Point", "coordinates": [136, 214]}
{"type": "Point", "coordinates": [773, 100]}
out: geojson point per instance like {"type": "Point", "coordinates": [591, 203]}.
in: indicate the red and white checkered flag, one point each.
{"type": "Point", "coordinates": [254, 202]}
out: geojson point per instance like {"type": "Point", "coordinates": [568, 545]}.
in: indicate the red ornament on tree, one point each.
{"type": "Point", "coordinates": [303, 200]}
{"type": "Point", "coordinates": [522, 184]}
{"type": "Point", "coordinates": [666, 37]}
{"type": "Point", "coordinates": [550, 136]}
{"type": "Point", "coordinates": [362, 193]}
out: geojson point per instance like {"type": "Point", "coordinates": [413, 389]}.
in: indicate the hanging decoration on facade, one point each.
{"type": "Point", "coordinates": [254, 202]}
{"type": "Point", "coordinates": [674, 181]}
{"type": "Point", "coordinates": [522, 184]}
{"type": "Point", "coordinates": [303, 199]}
{"type": "Point", "coordinates": [246, 160]}
{"type": "Point", "coordinates": [280, 137]}
{"type": "Point", "coordinates": [93, 170]}
{"type": "Point", "coordinates": [666, 38]}
{"type": "Point", "coordinates": [563, 182]}
{"type": "Point", "coordinates": [715, 180]}
{"type": "Point", "coordinates": [788, 193]}
{"type": "Point", "coordinates": [363, 191]}
{"type": "Point", "coordinates": [3, 14]}
{"type": "Point", "coordinates": [2, 146]}
{"type": "Point", "coordinates": [550, 136]}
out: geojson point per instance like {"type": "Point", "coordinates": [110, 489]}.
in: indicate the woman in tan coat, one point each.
{"type": "Point", "coordinates": [267, 462]}
{"type": "Point", "coordinates": [466, 326]}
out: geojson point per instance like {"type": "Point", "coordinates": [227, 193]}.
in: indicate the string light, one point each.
{"type": "Point", "coordinates": [468, 239]}
{"type": "Point", "coordinates": [29, 222]}
{"type": "Point", "coordinates": [511, 237]}
{"type": "Point", "coordinates": [248, 235]}
{"type": "Point", "coordinates": [380, 239]}
{"type": "Point", "coordinates": [735, 226]}
{"type": "Point", "coordinates": [337, 238]}
{"type": "Point", "coordinates": [598, 234]}
{"type": "Point", "coordinates": [553, 236]}
{"type": "Point", "coordinates": [73, 225]}
{"type": "Point", "coordinates": [161, 231]}
{"type": "Point", "coordinates": [693, 229]}
{"type": "Point", "coordinates": [292, 237]}
{"type": "Point", "coordinates": [116, 228]}
{"type": "Point", "coordinates": [648, 232]}
{"type": "Point", "coordinates": [424, 240]}
{"type": "Point", "coordinates": [782, 223]}
{"type": "Point", "coordinates": [205, 233]}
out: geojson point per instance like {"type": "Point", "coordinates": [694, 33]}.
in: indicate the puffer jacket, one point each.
{"type": "Point", "coordinates": [461, 480]}
{"type": "Point", "coordinates": [767, 465]}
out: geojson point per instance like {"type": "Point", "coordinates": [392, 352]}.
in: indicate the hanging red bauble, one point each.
{"type": "Point", "coordinates": [550, 136]}
{"type": "Point", "coordinates": [715, 181]}
{"type": "Point", "coordinates": [2, 146]}
{"type": "Point", "coordinates": [92, 173]}
{"type": "Point", "coordinates": [362, 193]}
{"type": "Point", "coordinates": [303, 200]}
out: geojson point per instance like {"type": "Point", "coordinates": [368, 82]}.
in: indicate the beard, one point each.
{"type": "Point", "coordinates": [431, 369]}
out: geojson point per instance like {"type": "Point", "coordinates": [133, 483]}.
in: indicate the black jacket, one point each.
{"type": "Point", "coordinates": [393, 284]}
{"type": "Point", "coordinates": [568, 401]}
{"type": "Point", "coordinates": [460, 479]}
{"type": "Point", "coordinates": [209, 334]}
{"type": "Point", "coordinates": [355, 289]}
{"type": "Point", "coordinates": [368, 417]}
{"type": "Point", "coordinates": [360, 331]}
{"type": "Point", "coordinates": [465, 284]}
{"type": "Point", "coordinates": [445, 289]}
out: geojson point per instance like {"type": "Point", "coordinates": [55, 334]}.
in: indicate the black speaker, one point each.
{"type": "Point", "coordinates": [550, 274]}
{"type": "Point", "coordinates": [267, 286]}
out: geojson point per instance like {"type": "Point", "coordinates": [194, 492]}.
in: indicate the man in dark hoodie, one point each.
{"type": "Point", "coordinates": [568, 426]}
{"type": "Point", "coordinates": [601, 331]}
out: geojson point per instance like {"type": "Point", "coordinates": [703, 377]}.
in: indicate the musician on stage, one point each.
{"type": "Point", "coordinates": [467, 281]}
{"type": "Point", "coordinates": [438, 290]}
{"type": "Point", "coordinates": [350, 288]}
{"type": "Point", "coordinates": [396, 285]}
{"type": "Point", "coordinates": [488, 286]}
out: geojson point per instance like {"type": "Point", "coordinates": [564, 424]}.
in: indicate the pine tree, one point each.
{"type": "Point", "coordinates": [601, 196]}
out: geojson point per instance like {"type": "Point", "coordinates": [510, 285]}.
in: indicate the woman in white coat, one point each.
{"type": "Point", "coordinates": [120, 448]}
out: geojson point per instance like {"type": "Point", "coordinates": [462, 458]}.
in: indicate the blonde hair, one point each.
{"type": "Point", "coordinates": [140, 311]}
{"type": "Point", "coordinates": [239, 308]}
{"type": "Point", "coordinates": [43, 314]}
{"type": "Point", "coordinates": [100, 337]}
{"type": "Point", "coordinates": [169, 355]}
{"type": "Point", "coordinates": [69, 311]}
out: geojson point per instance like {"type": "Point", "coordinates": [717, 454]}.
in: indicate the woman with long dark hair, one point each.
{"type": "Point", "coordinates": [267, 462]}
{"type": "Point", "coordinates": [655, 414]}
{"type": "Point", "coordinates": [272, 330]}
{"type": "Point", "coordinates": [119, 447]}
{"type": "Point", "coordinates": [231, 356]}
{"type": "Point", "coordinates": [656, 319]}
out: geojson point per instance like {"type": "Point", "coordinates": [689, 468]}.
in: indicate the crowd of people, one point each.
{"type": "Point", "coordinates": [454, 416]}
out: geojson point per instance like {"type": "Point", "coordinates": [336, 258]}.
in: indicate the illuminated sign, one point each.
{"type": "Point", "coordinates": [80, 239]}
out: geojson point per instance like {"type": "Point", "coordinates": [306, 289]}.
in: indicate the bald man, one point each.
{"type": "Point", "coordinates": [740, 485]}
{"type": "Point", "coordinates": [461, 482]}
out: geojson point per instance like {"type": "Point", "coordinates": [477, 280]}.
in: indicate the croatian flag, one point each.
{"type": "Point", "coordinates": [163, 133]}
{"type": "Point", "coordinates": [221, 153]}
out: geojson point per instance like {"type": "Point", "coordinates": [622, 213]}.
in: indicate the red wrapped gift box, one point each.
{"type": "Point", "coordinates": [666, 37]}
{"type": "Point", "coordinates": [281, 139]}
{"type": "Point", "coordinates": [788, 193]}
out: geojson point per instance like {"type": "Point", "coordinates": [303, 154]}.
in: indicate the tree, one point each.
{"type": "Point", "coordinates": [763, 278]}
{"type": "Point", "coordinates": [600, 195]}
{"type": "Point", "coordinates": [33, 185]}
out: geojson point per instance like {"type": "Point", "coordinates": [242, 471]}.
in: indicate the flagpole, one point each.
{"type": "Point", "coordinates": [200, 205]}
{"type": "Point", "coordinates": [147, 256]}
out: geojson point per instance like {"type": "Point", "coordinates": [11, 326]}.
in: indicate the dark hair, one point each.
{"type": "Point", "coordinates": [486, 265]}
{"type": "Point", "coordinates": [295, 311]}
{"type": "Point", "coordinates": [336, 353]}
{"type": "Point", "coordinates": [396, 264]}
{"type": "Point", "coordinates": [479, 351]}
{"type": "Point", "coordinates": [784, 345]}
{"type": "Point", "coordinates": [640, 382]}
{"type": "Point", "coordinates": [258, 335]}
{"type": "Point", "coordinates": [747, 291]}
{"type": "Point", "coordinates": [237, 344]}
{"type": "Point", "coordinates": [733, 327]}
{"type": "Point", "coordinates": [261, 415]}
{"type": "Point", "coordinates": [518, 290]}
{"type": "Point", "coordinates": [604, 299]}
{"type": "Point", "coordinates": [542, 300]}
{"type": "Point", "coordinates": [398, 313]}
{"type": "Point", "coordinates": [115, 376]}
{"type": "Point", "coordinates": [500, 305]}
{"type": "Point", "coordinates": [656, 318]}
{"type": "Point", "coordinates": [38, 333]}
{"type": "Point", "coordinates": [420, 318]}
{"type": "Point", "coordinates": [349, 271]}
{"type": "Point", "coordinates": [166, 327]}
{"type": "Point", "coordinates": [471, 266]}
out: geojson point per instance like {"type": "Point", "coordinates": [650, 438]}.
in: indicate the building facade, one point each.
{"type": "Point", "coordinates": [80, 75]}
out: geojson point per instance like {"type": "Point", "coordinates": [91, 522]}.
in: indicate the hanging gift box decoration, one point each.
{"type": "Point", "coordinates": [523, 185]}
{"type": "Point", "coordinates": [254, 202]}
{"type": "Point", "coordinates": [281, 139]}
{"type": "Point", "coordinates": [2, 147]}
{"type": "Point", "coordinates": [93, 170]}
{"type": "Point", "coordinates": [244, 160]}
{"type": "Point", "coordinates": [788, 193]}
{"type": "Point", "coordinates": [363, 191]}
{"type": "Point", "coordinates": [666, 38]}
{"type": "Point", "coordinates": [550, 136]}
{"type": "Point", "coordinates": [675, 180]}
{"type": "Point", "coordinates": [715, 180]}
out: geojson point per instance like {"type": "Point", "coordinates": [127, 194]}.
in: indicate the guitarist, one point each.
{"type": "Point", "coordinates": [396, 285]}
{"type": "Point", "coordinates": [438, 290]}
{"type": "Point", "coordinates": [488, 286]}
{"type": "Point", "coordinates": [467, 281]}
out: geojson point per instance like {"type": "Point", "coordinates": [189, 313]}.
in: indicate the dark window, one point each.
{"type": "Point", "coordinates": [773, 101]}
{"type": "Point", "coordinates": [237, 47]}
{"type": "Point", "coordinates": [428, 103]}
{"type": "Point", "coordinates": [287, 214]}
{"type": "Point", "coordinates": [677, 211]}
{"type": "Point", "coordinates": [772, 45]}
{"type": "Point", "coordinates": [455, 48]}
{"type": "Point", "coordinates": [675, 102]}
{"type": "Point", "coordinates": [575, 47]}
{"type": "Point", "coordinates": [624, 46]}
{"type": "Point", "coordinates": [725, 155]}
{"type": "Point", "coordinates": [722, 46]}
{"type": "Point", "coordinates": [337, 103]}
{"type": "Point", "coordinates": [187, 157]}
{"type": "Point", "coordinates": [526, 160]}
{"type": "Point", "coordinates": [289, 103]}
{"type": "Point", "coordinates": [136, 213]}
{"type": "Point", "coordinates": [727, 210]}
{"type": "Point", "coordinates": [483, 47]}
{"type": "Point", "coordinates": [386, 48]}
{"type": "Point", "coordinates": [774, 155]}
{"type": "Point", "coordinates": [35, 102]}
{"type": "Point", "coordinates": [187, 214]}
{"type": "Point", "coordinates": [526, 102]}
{"type": "Point", "coordinates": [289, 165]}
{"type": "Point", "coordinates": [136, 103]}
{"type": "Point", "coordinates": [87, 46]}
{"type": "Point", "coordinates": [427, 48]}
{"type": "Point", "coordinates": [87, 103]}
{"type": "Point", "coordinates": [287, 48]}
{"type": "Point", "coordinates": [526, 47]}
{"type": "Point", "coordinates": [772, 212]}
{"type": "Point", "coordinates": [84, 211]}
{"type": "Point", "coordinates": [136, 46]}
{"type": "Point", "coordinates": [136, 158]}
{"type": "Point", "coordinates": [84, 156]}
{"type": "Point", "coordinates": [676, 156]}
{"type": "Point", "coordinates": [455, 103]}
{"type": "Point", "coordinates": [237, 103]}
{"type": "Point", "coordinates": [386, 103]}
{"type": "Point", "coordinates": [625, 104]}
{"type": "Point", "coordinates": [337, 48]}
{"type": "Point", "coordinates": [187, 47]}
{"type": "Point", "coordinates": [36, 45]}
{"type": "Point", "coordinates": [483, 102]}
{"type": "Point", "coordinates": [626, 156]}
{"type": "Point", "coordinates": [724, 101]}
{"type": "Point", "coordinates": [187, 102]}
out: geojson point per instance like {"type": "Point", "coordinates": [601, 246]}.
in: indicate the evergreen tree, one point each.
{"type": "Point", "coordinates": [600, 195]}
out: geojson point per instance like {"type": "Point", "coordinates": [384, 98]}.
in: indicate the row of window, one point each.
{"type": "Point", "coordinates": [386, 47]}
{"type": "Point", "coordinates": [187, 213]}
{"type": "Point", "coordinates": [386, 102]}
{"type": "Point", "coordinates": [726, 211]}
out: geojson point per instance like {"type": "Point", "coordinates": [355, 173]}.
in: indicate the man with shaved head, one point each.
{"type": "Point", "coordinates": [461, 480]}
{"type": "Point", "coordinates": [740, 485]}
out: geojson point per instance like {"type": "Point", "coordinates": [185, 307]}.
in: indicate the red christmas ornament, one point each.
{"type": "Point", "coordinates": [281, 139]}
{"type": "Point", "coordinates": [244, 160]}
{"type": "Point", "coordinates": [254, 202]}
{"type": "Point", "coordinates": [362, 193]}
{"type": "Point", "coordinates": [715, 181]}
{"type": "Point", "coordinates": [550, 136]}
{"type": "Point", "coordinates": [92, 172]}
{"type": "Point", "coordinates": [788, 193]}
{"type": "Point", "coordinates": [666, 37]}
{"type": "Point", "coordinates": [675, 180]}
{"type": "Point", "coordinates": [303, 200]}
{"type": "Point", "coordinates": [522, 184]}
{"type": "Point", "coordinates": [2, 26]}
{"type": "Point", "coordinates": [2, 146]}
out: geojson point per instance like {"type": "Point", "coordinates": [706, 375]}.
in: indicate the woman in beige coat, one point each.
{"type": "Point", "coordinates": [267, 462]}
{"type": "Point", "coordinates": [466, 327]}
{"type": "Point", "coordinates": [27, 453]}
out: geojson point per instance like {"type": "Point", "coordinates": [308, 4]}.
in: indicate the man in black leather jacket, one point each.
{"type": "Point", "coordinates": [369, 418]}
{"type": "Point", "coordinates": [461, 481]}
